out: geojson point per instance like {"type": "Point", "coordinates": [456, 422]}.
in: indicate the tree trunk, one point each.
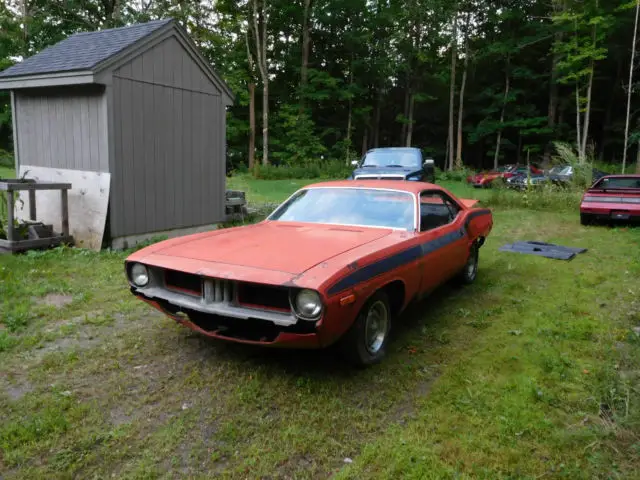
{"type": "Point", "coordinates": [587, 113]}
{"type": "Point", "coordinates": [519, 154]}
{"type": "Point", "coordinates": [252, 106]}
{"type": "Point", "coordinates": [452, 90]}
{"type": "Point", "coordinates": [410, 124]}
{"type": "Point", "coordinates": [252, 125]}
{"type": "Point", "coordinates": [306, 43]}
{"type": "Point", "coordinates": [553, 98]}
{"type": "Point", "coordinates": [261, 19]}
{"type": "Point", "coordinates": [376, 133]}
{"type": "Point", "coordinates": [365, 141]}
{"type": "Point", "coordinates": [578, 127]}
{"type": "Point", "coordinates": [350, 115]}
{"type": "Point", "coordinates": [507, 84]}
{"type": "Point", "coordinates": [461, 102]}
{"type": "Point", "coordinates": [633, 57]}
{"type": "Point", "coordinates": [405, 112]}
{"type": "Point", "coordinates": [638, 159]}
{"type": "Point", "coordinates": [612, 101]}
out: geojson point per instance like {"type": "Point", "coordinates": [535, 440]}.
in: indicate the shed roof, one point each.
{"type": "Point", "coordinates": [83, 51]}
{"type": "Point", "coordinates": [81, 57]}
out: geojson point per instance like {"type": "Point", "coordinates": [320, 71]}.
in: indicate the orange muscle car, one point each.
{"type": "Point", "coordinates": [334, 263]}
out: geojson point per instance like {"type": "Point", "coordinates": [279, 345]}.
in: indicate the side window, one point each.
{"type": "Point", "coordinates": [436, 210]}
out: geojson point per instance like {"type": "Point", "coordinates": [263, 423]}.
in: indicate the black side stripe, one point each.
{"type": "Point", "coordinates": [402, 258]}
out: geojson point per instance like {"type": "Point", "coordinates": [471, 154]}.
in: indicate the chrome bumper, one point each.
{"type": "Point", "coordinates": [215, 303]}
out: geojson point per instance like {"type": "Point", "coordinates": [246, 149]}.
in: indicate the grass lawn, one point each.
{"type": "Point", "coordinates": [262, 191]}
{"type": "Point", "coordinates": [6, 172]}
{"type": "Point", "coordinates": [532, 372]}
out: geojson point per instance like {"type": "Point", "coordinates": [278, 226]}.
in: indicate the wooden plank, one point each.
{"type": "Point", "coordinates": [16, 138]}
{"type": "Point", "coordinates": [148, 177]}
{"type": "Point", "coordinates": [125, 193]}
{"type": "Point", "coordinates": [137, 185]}
{"type": "Point", "coordinates": [32, 204]}
{"type": "Point", "coordinates": [64, 212]}
{"type": "Point", "coordinates": [10, 215]}
{"type": "Point", "coordinates": [20, 245]}
{"type": "Point", "coordinates": [15, 187]}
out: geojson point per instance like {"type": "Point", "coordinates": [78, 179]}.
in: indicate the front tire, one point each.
{"type": "Point", "coordinates": [365, 342]}
{"type": "Point", "coordinates": [470, 271]}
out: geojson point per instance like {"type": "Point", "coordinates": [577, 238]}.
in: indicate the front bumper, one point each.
{"type": "Point", "coordinates": [250, 329]}
{"type": "Point", "coordinates": [612, 216]}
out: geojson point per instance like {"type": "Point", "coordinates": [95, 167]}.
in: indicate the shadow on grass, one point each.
{"type": "Point", "coordinates": [328, 363]}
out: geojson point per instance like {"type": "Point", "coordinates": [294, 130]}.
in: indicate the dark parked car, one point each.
{"type": "Point", "coordinates": [565, 174]}
{"type": "Point", "coordinates": [393, 163]}
{"type": "Point", "coordinates": [561, 175]}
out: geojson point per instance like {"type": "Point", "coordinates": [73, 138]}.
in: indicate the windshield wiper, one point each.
{"type": "Point", "coordinates": [370, 166]}
{"type": "Point", "coordinates": [394, 165]}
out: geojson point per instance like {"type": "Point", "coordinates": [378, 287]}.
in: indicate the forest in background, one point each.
{"type": "Point", "coordinates": [471, 82]}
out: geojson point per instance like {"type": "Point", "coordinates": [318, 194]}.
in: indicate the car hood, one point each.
{"type": "Point", "coordinates": [387, 171]}
{"type": "Point", "coordinates": [287, 247]}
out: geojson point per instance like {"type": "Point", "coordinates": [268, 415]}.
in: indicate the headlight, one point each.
{"type": "Point", "coordinates": [308, 304]}
{"type": "Point", "coordinates": [414, 178]}
{"type": "Point", "coordinates": [139, 275]}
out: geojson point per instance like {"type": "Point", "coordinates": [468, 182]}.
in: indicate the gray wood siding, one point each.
{"type": "Point", "coordinates": [168, 64]}
{"type": "Point", "coordinates": [63, 128]}
{"type": "Point", "coordinates": [169, 155]}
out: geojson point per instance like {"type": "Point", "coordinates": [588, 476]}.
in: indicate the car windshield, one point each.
{"type": "Point", "coordinates": [504, 168]}
{"type": "Point", "coordinates": [392, 158]}
{"type": "Point", "coordinates": [610, 183]}
{"type": "Point", "coordinates": [349, 206]}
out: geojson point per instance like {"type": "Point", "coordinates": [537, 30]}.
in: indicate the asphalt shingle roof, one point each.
{"type": "Point", "coordinates": [83, 51]}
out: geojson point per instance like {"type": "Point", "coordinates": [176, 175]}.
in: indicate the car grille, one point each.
{"type": "Point", "coordinates": [216, 290]}
{"type": "Point", "coordinates": [264, 296]}
{"type": "Point", "coordinates": [183, 282]}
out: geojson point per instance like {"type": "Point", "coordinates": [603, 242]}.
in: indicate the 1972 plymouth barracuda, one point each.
{"type": "Point", "coordinates": [333, 263]}
{"type": "Point", "coordinates": [612, 198]}
{"type": "Point", "coordinates": [394, 163]}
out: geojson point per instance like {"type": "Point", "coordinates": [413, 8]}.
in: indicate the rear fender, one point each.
{"type": "Point", "coordinates": [478, 223]}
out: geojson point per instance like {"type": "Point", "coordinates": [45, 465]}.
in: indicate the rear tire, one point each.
{"type": "Point", "coordinates": [470, 271]}
{"type": "Point", "coordinates": [365, 342]}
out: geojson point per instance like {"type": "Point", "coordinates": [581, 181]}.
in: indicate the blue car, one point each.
{"type": "Point", "coordinates": [393, 163]}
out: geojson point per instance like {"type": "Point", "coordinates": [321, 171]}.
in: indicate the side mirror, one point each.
{"type": "Point", "coordinates": [354, 163]}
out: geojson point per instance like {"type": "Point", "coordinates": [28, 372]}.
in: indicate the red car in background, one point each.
{"type": "Point", "coordinates": [612, 198]}
{"type": "Point", "coordinates": [484, 179]}
{"type": "Point", "coordinates": [334, 263]}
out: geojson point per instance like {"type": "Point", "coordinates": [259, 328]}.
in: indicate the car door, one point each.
{"type": "Point", "coordinates": [443, 238]}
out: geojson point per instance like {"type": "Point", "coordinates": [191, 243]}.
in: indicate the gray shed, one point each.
{"type": "Point", "coordinates": [139, 103]}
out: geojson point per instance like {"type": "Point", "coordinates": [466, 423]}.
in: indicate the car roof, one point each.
{"type": "Point", "coordinates": [393, 148]}
{"type": "Point", "coordinates": [398, 185]}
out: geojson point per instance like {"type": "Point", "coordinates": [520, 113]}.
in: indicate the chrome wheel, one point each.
{"type": "Point", "coordinates": [376, 327]}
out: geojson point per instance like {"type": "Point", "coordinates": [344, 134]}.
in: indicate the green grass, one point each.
{"type": "Point", "coordinates": [275, 191]}
{"type": "Point", "coordinates": [6, 172]}
{"type": "Point", "coordinates": [532, 372]}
